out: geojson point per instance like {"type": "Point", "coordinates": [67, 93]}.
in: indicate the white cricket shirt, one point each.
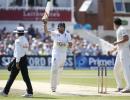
{"type": "Point", "coordinates": [21, 47]}
{"type": "Point", "coordinates": [60, 41]}
{"type": "Point", "coordinates": [120, 32]}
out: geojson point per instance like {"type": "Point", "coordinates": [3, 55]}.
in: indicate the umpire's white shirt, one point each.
{"type": "Point", "coordinates": [60, 41]}
{"type": "Point", "coordinates": [21, 47]}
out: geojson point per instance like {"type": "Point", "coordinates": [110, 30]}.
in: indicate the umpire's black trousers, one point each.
{"type": "Point", "coordinates": [14, 73]}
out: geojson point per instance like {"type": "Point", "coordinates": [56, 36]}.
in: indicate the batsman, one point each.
{"type": "Point", "coordinates": [61, 41]}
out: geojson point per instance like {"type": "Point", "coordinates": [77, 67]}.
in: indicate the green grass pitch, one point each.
{"type": "Point", "coordinates": [77, 77]}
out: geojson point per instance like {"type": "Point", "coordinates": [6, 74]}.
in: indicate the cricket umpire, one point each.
{"type": "Point", "coordinates": [20, 63]}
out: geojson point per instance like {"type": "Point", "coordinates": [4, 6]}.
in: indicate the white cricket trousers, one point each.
{"type": "Point", "coordinates": [57, 63]}
{"type": "Point", "coordinates": [122, 63]}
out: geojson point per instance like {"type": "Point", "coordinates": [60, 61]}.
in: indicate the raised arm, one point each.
{"type": "Point", "coordinates": [45, 27]}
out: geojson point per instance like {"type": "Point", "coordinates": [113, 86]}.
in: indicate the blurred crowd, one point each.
{"type": "Point", "coordinates": [41, 44]}
{"type": "Point", "coordinates": [39, 3]}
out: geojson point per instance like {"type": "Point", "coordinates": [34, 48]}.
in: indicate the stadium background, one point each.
{"type": "Point", "coordinates": [95, 19]}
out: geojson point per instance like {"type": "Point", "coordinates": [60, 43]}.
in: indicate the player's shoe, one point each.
{"type": "Point", "coordinates": [119, 89]}
{"type": "Point", "coordinates": [53, 89]}
{"type": "Point", "coordinates": [27, 95]}
{"type": "Point", "coordinates": [3, 94]}
{"type": "Point", "coordinates": [125, 91]}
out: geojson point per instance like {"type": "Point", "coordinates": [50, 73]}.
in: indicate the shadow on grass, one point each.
{"type": "Point", "coordinates": [40, 97]}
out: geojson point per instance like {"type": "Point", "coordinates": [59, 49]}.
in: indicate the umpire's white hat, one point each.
{"type": "Point", "coordinates": [20, 29]}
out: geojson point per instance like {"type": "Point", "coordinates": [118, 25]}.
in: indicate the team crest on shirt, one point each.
{"type": "Point", "coordinates": [61, 44]}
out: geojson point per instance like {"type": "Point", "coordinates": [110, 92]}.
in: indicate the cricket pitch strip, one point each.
{"type": "Point", "coordinates": [63, 89]}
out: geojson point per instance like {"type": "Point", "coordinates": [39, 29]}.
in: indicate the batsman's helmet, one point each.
{"type": "Point", "coordinates": [61, 25]}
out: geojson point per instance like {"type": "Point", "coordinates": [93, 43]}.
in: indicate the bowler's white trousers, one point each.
{"type": "Point", "coordinates": [57, 63]}
{"type": "Point", "coordinates": [122, 63]}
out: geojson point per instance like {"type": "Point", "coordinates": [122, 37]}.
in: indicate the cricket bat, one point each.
{"type": "Point", "coordinates": [47, 10]}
